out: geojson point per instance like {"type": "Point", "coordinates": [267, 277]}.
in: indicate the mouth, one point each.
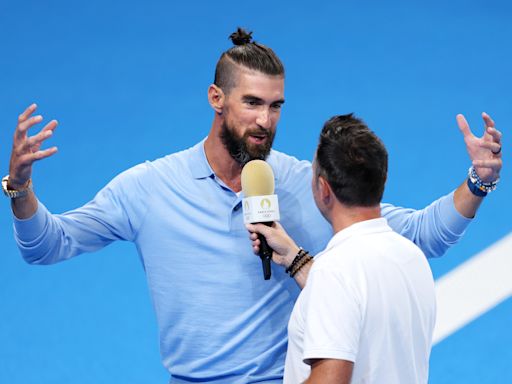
{"type": "Point", "coordinates": [258, 138]}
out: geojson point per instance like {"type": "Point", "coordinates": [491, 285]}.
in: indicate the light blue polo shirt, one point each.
{"type": "Point", "coordinates": [219, 321]}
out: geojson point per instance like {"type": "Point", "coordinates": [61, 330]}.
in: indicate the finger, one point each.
{"type": "Point", "coordinates": [495, 148]}
{"type": "Point", "coordinates": [253, 236]}
{"type": "Point", "coordinates": [495, 134]}
{"type": "Point", "coordinates": [51, 126]}
{"type": "Point", "coordinates": [495, 164]}
{"type": "Point", "coordinates": [487, 119]}
{"type": "Point", "coordinates": [463, 125]}
{"type": "Point", "coordinates": [23, 127]}
{"type": "Point", "coordinates": [47, 131]}
{"type": "Point", "coordinates": [40, 155]}
{"type": "Point", "coordinates": [38, 139]}
{"type": "Point", "coordinates": [256, 249]}
{"type": "Point", "coordinates": [26, 113]}
{"type": "Point", "coordinates": [259, 228]}
{"type": "Point", "coordinates": [29, 159]}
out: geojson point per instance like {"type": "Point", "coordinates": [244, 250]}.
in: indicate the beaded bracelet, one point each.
{"type": "Point", "coordinates": [478, 184]}
{"type": "Point", "coordinates": [302, 263]}
{"type": "Point", "coordinates": [300, 255]}
{"type": "Point", "coordinates": [300, 260]}
{"type": "Point", "coordinates": [475, 190]}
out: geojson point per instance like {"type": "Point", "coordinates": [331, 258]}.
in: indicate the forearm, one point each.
{"type": "Point", "coordinates": [301, 270]}
{"type": "Point", "coordinates": [24, 207]}
{"type": "Point", "coordinates": [465, 201]}
{"type": "Point", "coordinates": [44, 238]}
{"type": "Point", "coordinates": [302, 275]}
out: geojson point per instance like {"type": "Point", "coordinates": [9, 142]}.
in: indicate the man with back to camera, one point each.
{"type": "Point", "coordinates": [367, 312]}
{"type": "Point", "coordinates": [218, 320]}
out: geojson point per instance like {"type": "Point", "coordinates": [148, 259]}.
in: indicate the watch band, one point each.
{"type": "Point", "coordinates": [15, 193]}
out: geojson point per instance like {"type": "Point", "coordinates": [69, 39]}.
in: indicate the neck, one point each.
{"type": "Point", "coordinates": [343, 216]}
{"type": "Point", "coordinates": [224, 166]}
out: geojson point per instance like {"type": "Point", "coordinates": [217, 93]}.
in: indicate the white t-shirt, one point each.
{"type": "Point", "coordinates": [369, 299]}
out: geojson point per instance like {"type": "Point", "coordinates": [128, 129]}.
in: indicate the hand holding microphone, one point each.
{"type": "Point", "coordinates": [283, 245]}
{"type": "Point", "coordinates": [260, 205]}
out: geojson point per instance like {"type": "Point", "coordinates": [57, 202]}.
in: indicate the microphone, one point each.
{"type": "Point", "coordinates": [260, 205]}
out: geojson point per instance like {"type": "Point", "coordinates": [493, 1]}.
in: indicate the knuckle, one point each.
{"type": "Point", "coordinates": [21, 127]}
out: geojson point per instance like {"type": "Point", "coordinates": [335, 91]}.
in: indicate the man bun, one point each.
{"type": "Point", "coordinates": [241, 37]}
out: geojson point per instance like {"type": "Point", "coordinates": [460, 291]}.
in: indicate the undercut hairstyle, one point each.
{"type": "Point", "coordinates": [246, 53]}
{"type": "Point", "coordinates": [353, 160]}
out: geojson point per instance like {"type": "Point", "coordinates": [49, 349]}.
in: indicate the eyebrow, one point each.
{"type": "Point", "coordinates": [260, 100]}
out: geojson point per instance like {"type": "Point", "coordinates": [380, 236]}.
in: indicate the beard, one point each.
{"type": "Point", "coordinates": [240, 150]}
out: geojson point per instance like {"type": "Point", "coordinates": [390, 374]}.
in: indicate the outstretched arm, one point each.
{"type": "Point", "coordinates": [26, 150]}
{"type": "Point", "coordinates": [114, 214]}
{"type": "Point", "coordinates": [436, 227]}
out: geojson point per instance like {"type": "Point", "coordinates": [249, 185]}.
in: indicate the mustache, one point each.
{"type": "Point", "coordinates": [258, 132]}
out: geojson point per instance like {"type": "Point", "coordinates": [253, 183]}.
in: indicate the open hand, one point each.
{"type": "Point", "coordinates": [27, 150]}
{"type": "Point", "coordinates": [485, 151]}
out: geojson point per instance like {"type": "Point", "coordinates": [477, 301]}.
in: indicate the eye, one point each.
{"type": "Point", "coordinates": [276, 106]}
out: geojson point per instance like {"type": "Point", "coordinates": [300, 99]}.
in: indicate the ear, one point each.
{"type": "Point", "coordinates": [216, 98]}
{"type": "Point", "coordinates": [325, 191]}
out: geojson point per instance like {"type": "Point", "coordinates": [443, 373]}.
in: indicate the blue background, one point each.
{"type": "Point", "coordinates": [127, 81]}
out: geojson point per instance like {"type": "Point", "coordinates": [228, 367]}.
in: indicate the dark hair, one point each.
{"type": "Point", "coordinates": [353, 160]}
{"type": "Point", "coordinates": [249, 54]}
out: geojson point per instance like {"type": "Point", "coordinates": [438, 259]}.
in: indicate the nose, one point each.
{"type": "Point", "coordinates": [264, 119]}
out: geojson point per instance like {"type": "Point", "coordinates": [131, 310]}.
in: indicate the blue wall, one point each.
{"type": "Point", "coordinates": [127, 81]}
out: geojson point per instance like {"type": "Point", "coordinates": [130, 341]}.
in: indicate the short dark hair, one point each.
{"type": "Point", "coordinates": [353, 160]}
{"type": "Point", "coordinates": [249, 54]}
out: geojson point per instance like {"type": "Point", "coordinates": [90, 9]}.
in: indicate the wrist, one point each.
{"type": "Point", "coordinates": [477, 186]}
{"type": "Point", "coordinates": [290, 256]}
{"type": "Point", "coordinates": [17, 186]}
{"type": "Point", "coordinates": [14, 189]}
{"type": "Point", "coordinates": [300, 260]}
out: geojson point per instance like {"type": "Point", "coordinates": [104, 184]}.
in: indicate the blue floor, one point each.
{"type": "Point", "coordinates": [127, 81]}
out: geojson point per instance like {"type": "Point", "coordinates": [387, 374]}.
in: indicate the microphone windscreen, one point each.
{"type": "Point", "coordinates": [257, 179]}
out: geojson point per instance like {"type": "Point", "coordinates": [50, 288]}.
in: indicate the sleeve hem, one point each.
{"type": "Point", "coordinates": [337, 354]}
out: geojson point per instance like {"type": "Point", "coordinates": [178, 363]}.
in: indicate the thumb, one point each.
{"type": "Point", "coordinates": [259, 228]}
{"type": "Point", "coordinates": [463, 125]}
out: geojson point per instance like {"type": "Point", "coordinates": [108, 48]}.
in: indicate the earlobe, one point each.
{"type": "Point", "coordinates": [216, 98]}
{"type": "Point", "coordinates": [325, 191]}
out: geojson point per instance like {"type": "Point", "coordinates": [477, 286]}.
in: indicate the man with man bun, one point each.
{"type": "Point", "coordinates": [219, 322]}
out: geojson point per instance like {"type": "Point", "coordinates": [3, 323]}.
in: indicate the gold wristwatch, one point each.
{"type": "Point", "coordinates": [15, 193]}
